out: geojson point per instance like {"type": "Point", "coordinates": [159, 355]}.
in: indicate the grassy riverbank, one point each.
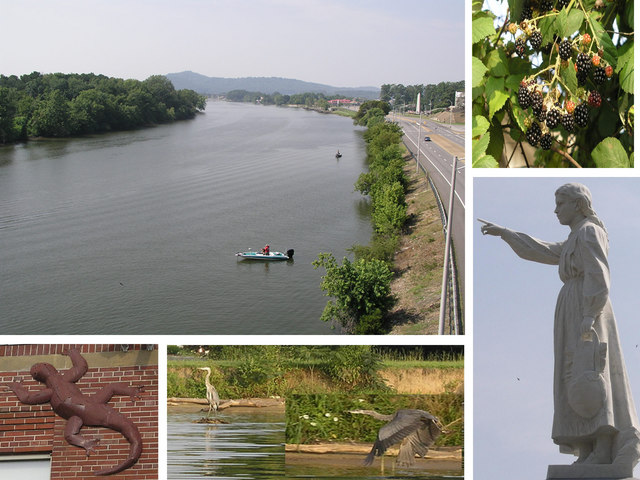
{"type": "Point", "coordinates": [418, 262]}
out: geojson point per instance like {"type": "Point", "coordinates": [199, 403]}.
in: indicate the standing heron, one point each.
{"type": "Point", "coordinates": [416, 430]}
{"type": "Point", "coordinates": [212, 394]}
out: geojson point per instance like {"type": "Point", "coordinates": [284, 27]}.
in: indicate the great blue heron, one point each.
{"type": "Point", "coordinates": [416, 430]}
{"type": "Point", "coordinates": [212, 394]}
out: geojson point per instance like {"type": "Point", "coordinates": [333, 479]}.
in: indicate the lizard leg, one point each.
{"type": "Point", "coordinates": [105, 394]}
{"type": "Point", "coordinates": [74, 424]}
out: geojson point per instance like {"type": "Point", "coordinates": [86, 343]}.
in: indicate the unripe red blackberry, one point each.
{"type": "Point", "coordinates": [608, 70]}
{"type": "Point", "coordinates": [546, 141]}
{"type": "Point", "coordinates": [520, 46]}
{"type": "Point", "coordinates": [565, 50]}
{"type": "Point", "coordinates": [553, 118]}
{"type": "Point", "coordinates": [570, 106]}
{"type": "Point", "coordinates": [535, 40]}
{"type": "Point", "coordinates": [581, 114]}
{"type": "Point", "coordinates": [568, 122]}
{"type": "Point", "coordinates": [533, 134]}
{"type": "Point", "coordinates": [595, 60]}
{"type": "Point", "coordinates": [586, 39]}
{"type": "Point", "coordinates": [595, 99]}
{"type": "Point", "coordinates": [524, 96]}
{"type": "Point", "coordinates": [599, 75]}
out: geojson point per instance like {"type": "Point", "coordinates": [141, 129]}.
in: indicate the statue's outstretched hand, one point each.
{"type": "Point", "coordinates": [489, 228]}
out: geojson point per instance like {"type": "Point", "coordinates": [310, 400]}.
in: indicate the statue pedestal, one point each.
{"type": "Point", "coordinates": [592, 472]}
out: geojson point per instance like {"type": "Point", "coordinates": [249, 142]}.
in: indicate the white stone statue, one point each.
{"type": "Point", "coordinates": [594, 414]}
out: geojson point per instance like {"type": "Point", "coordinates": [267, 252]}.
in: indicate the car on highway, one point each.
{"type": "Point", "coordinates": [427, 139]}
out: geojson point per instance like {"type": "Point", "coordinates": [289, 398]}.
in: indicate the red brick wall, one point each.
{"type": "Point", "coordinates": [36, 429]}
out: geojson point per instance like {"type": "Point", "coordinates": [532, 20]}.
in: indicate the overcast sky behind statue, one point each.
{"type": "Point", "coordinates": [347, 43]}
{"type": "Point", "coordinates": [514, 303]}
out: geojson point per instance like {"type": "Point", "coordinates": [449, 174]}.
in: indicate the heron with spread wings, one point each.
{"type": "Point", "coordinates": [212, 395]}
{"type": "Point", "coordinates": [415, 430]}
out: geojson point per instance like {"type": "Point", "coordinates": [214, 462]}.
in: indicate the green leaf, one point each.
{"type": "Point", "coordinates": [569, 77]}
{"type": "Point", "coordinates": [493, 84]}
{"type": "Point", "coordinates": [479, 147]}
{"type": "Point", "coordinates": [610, 153]}
{"type": "Point", "coordinates": [486, 161]}
{"type": "Point", "coordinates": [479, 126]}
{"type": "Point", "coordinates": [497, 101]}
{"type": "Point", "coordinates": [478, 70]}
{"type": "Point", "coordinates": [547, 29]}
{"type": "Point", "coordinates": [518, 114]}
{"type": "Point", "coordinates": [497, 141]}
{"type": "Point", "coordinates": [610, 53]}
{"type": "Point", "coordinates": [515, 7]}
{"type": "Point", "coordinates": [497, 63]}
{"type": "Point", "coordinates": [574, 21]}
{"type": "Point", "coordinates": [482, 28]}
{"type": "Point", "coordinates": [561, 23]}
{"type": "Point", "coordinates": [625, 69]}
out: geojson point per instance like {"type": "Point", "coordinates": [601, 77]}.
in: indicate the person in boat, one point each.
{"type": "Point", "coordinates": [265, 250]}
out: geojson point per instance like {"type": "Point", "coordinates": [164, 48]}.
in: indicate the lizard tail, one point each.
{"type": "Point", "coordinates": [131, 433]}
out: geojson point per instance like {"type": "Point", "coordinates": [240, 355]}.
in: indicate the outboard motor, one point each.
{"type": "Point", "coordinates": [290, 253]}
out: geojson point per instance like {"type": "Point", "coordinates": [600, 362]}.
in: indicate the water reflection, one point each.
{"type": "Point", "coordinates": [250, 446]}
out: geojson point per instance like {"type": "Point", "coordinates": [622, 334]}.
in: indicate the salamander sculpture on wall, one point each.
{"type": "Point", "coordinates": [91, 410]}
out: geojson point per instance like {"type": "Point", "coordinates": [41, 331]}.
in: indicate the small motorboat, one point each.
{"type": "Point", "coordinates": [250, 255]}
{"type": "Point", "coordinates": [338, 155]}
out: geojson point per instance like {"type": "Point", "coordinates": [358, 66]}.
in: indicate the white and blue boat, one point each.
{"type": "Point", "coordinates": [250, 255]}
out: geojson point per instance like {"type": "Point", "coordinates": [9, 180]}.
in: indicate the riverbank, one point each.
{"type": "Point", "coordinates": [418, 262]}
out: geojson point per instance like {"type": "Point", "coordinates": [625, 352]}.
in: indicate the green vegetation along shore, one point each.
{"type": "Point", "coordinates": [63, 105]}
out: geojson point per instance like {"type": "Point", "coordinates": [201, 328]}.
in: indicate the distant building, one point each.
{"type": "Point", "coordinates": [341, 101]}
{"type": "Point", "coordinates": [459, 100]}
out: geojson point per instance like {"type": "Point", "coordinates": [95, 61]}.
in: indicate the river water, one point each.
{"type": "Point", "coordinates": [135, 232]}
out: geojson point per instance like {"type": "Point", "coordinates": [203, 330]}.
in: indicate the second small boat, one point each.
{"type": "Point", "coordinates": [266, 256]}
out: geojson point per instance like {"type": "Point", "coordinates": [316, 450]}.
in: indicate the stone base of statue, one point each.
{"type": "Point", "coordinates": [592, 472]}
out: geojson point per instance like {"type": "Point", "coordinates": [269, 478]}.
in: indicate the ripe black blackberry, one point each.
{"type": "Point", "coordinates": [527, 12]}
{"type": "Point", "coordinates": [595, 99]}
{"type": "Point", "coordinates": [582, 78]}
{"type": "Point", "coordinates": [546, 5]}
{"type": "Point", "coordinates": [546, 141]}
{"type": "Point", "coordinates": [565, 50]}
{"type": "Point", "coordinates": [562, 4]}
{"type": "Point", "coordinates": [524, 96]}
{"type": "Point", "coordinates": [536, 102]}
{"type": "Point", "coordinates": [581, 115]}
{"type": "Point", "coordinates": [533, 134]}
{"type": "Point", "coordinates": [599, 75]}
{"type": "Point", "coordinates": [553, 118]}
{"type": "Point", "coordinates": [568, 122]}
{"type": "Point", "coordinates": [583, 62]}
{"type": "Point", "coordinates": [535, 40]}
{"type": "Point", "coordinates": [520, 46]}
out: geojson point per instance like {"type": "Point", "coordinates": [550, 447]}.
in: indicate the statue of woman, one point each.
{"type": "Point", "coordinates": [594, 415]}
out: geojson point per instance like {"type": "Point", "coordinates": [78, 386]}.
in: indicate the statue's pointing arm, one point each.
{"type": "Point", "coordinates": [80, 366]}
{"type": "Point", "coordinates": [30, 398]}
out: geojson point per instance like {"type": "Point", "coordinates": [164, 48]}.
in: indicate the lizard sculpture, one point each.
{"type": "Point", "coordinates": [70, 403]}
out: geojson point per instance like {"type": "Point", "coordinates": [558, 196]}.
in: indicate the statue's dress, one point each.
{"type": "Point", "coordinates": [584, 270]}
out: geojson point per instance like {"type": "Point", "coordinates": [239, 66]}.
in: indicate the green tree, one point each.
{"type": "Point", "coordinates": [51, 116]}
{"type": "Point", "coordinates": [362, 292]}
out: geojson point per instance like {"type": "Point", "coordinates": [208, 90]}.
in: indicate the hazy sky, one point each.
{"type": "Point", "coordinates": [514, 302]}
{"type": "Point", "coordinates": [346, 43]}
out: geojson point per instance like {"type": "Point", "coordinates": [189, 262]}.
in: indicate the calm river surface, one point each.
{"type": "Point", "coordinates": [135, 232]}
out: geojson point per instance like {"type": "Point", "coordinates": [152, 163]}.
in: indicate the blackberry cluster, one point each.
{"type": "Point", "coordinates": [553, 118]}
{"type": "Point", "coordinates": [599, 75]}
{"type": "Point", "coordinates": [535, 40]}
{"type": "Point", "coordinates": [524, 97]}
{"type": "Point", "coordinates": [520, 46]}
{"type": "Point", "coordinates": [546, 141]}
{"type": "Point", "coordinates": [564, 49]}
{"type": "Point", "coordinates": [581, 115]}
{"type": "Point", "coordinates": [568, 122]}
{"type": "Point", "coordinates": [533, 134]}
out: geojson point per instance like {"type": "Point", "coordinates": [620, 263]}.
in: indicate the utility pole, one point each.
{"type": "Point", "coordinates": [419, 132]}
{"type": "Point", "coordinates": [447, 250]}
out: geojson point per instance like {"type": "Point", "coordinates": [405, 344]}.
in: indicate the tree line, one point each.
{"type": "Point", "coordinates": [432, 96]}
{"type": "Point", "coordinates": [309, 99]}
{"type": "Point", "coordinates": [61, 105]}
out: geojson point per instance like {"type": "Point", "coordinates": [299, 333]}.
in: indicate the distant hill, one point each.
{"type": "Point", "coordinates": [218, 85]}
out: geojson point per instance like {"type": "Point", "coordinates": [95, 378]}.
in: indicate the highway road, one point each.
{"type": "Point", "coordinates": [436, 156]}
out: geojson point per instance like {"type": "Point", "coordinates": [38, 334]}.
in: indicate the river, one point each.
{"type": "Point", "coordinates": [135, 232]}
